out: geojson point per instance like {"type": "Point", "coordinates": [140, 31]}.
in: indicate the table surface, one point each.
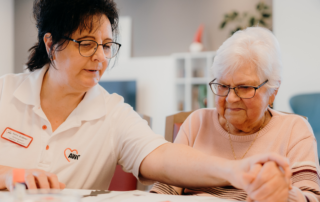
{"type": "Point", "coordinates": [118, 196]}
{"type": "Point", "coordinates": [140, 196]}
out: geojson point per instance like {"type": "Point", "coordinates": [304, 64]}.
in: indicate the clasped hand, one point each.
{"type": "Point", "coordinates": [270, 184]}
{"type": "Point", "coordinates": [265, 178]}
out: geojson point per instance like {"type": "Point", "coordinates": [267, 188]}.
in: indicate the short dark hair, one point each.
{"type": "Point", "coordinates": [62, 18]}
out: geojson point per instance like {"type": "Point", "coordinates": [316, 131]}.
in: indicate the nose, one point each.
{"type": "Point", "coordinates": [99, 55]}
{"type": "Point", "coordinates": [232, 96]}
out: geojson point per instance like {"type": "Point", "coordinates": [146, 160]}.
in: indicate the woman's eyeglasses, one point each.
{"type": "Point", "coordinates": [88, 47]}
{"type": "Point", "coordinates": [241, 91]}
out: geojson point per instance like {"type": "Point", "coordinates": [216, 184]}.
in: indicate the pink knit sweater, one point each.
{"type": "Point", "coordinates": [288, 135]}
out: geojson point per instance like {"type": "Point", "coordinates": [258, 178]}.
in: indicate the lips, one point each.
{"type": "Point", "coordinates": [92, 70]}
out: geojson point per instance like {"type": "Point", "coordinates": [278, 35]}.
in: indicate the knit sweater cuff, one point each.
{"type": "Point", "coordinates": [296, 195]}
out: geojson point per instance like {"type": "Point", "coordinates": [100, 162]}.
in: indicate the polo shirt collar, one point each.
{"type": "Point", "coordinates": [28, 91]}
{"type": "Point", "coordinates": [93, 105]}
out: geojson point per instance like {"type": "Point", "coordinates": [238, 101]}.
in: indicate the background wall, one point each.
{"type": "Point", "coordinates": [163, 27]}
{"type": "Point", "coordinates": [6, 36]}
{"type": "Point", "coordinates": [159, 27]}
{"type": "Point", "coordinates": [297, 27]}
{"type": "Point", "coordinates": [155, 86]}
{"type": "Point", "coordinates": [25, 35]}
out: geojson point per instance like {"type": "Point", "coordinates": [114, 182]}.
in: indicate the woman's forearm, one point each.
{"type": "Point", "coordinates": [183, 166]}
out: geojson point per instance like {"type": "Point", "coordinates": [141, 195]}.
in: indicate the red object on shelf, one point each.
{"type": "Point", "coordinates": [122, 181]}
{"type": "Point", "coordinates": [198, 36]}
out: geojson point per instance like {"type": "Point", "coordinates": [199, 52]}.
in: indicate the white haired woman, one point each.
{"type": "Point", "coordinates": [247, 71]}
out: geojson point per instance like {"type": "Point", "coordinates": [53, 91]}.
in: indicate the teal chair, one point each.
{"type": "Point", "coordinates": [309, 105]}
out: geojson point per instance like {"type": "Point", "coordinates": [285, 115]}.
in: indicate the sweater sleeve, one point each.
{"type": "Point", "coordinates": [302, 153]}
{"type": "Point", "coordinates": [161, 188]}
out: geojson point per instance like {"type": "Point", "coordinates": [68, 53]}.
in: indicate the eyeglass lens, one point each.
{"type": "Point", "coordinates": [88, 48]}
{"type": "Point", "coordinates": [241, 91]}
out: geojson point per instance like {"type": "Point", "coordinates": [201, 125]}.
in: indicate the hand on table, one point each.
{"type": "Point", "coordinates": [35, 179]}
{"type": "Point", "coordinates": [270, 184]}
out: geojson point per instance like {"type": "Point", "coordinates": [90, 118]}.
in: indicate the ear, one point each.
{"type": "Point", "coordinates": [47, 39]}
{"type": "Point", "coordinates": [273, 95]}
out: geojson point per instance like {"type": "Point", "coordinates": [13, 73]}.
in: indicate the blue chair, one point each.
{"type": "Point", "coordinates": [309, 105]}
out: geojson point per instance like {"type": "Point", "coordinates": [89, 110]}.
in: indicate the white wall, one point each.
{"type": "Point", "coordinates": [153, 33]}
{"type": "Point", "coordinates": [25, 35]}
{"type": "Point", "coordinates": [6, 36]}
{"type": "Point", "coordinates": [155, 86]}
{"type": "Point", "coordinates": [297, 27]}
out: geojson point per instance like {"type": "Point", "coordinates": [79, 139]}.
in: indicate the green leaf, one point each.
{"type": "Point", "coordinates": [235, 30]}
{"type": "Point", "coordinates": [223, 24]}
{"type": "Point", "coordinates": [252, 21]}
{"type": "Point", "coordinates": [233, 15]}
{"type": "Point", "coordinates": [262, 22]}
{"type": "Point", "coordinates": [266, 15]}
{"type": "Point", "coordinates": [259, 6]}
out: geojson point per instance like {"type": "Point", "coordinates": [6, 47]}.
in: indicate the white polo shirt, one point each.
{"type": "Point", "coordinates": [100, 133]}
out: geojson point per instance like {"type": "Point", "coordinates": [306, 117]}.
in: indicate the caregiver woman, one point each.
{"type": "Point", "coordinates": [64, 129]}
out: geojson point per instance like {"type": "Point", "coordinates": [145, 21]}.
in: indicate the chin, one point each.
{"type": "Point", "coordinates": [89, 84]}
{"type": "Point", "coordinates": [234, 119]}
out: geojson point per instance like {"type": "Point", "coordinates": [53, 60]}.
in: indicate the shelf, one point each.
{"type": "Point", "coordinates": [192, 78]}
{"type": "Point", "coordinates": [199, 81]}
{"type": "Point", "coordinates": [180, 81]}
{"type": "Point", "coordinates": [192, 81]}
{"type": "Point", "coordinates": [194, 55]}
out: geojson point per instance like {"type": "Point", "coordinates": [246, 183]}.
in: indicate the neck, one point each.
{"type": "Point", "coordinates": [245, 129]}
{"type": "Point", "coordinates": [56, 90]}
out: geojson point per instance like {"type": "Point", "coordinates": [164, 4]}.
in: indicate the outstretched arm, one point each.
{"type": "Point", "coordinates": [182, 166]}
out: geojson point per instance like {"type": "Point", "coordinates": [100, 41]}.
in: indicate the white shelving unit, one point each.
{"type": "Point", "coordinates": [191, 80]}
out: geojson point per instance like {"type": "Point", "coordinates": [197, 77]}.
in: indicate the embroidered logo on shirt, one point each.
{"type": "Point", "coordinates": [71, 154]}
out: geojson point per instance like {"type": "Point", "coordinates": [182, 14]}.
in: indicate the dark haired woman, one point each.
{"type": "Point", "coordinates": [58, 122]}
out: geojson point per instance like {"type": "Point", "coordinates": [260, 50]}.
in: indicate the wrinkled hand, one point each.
{"type": "Point", "coordinates": [269, 185]}
{"type": "Point", "coordinates": [36, 179]}
{"type": "Point", "coordinates": [243, 172]}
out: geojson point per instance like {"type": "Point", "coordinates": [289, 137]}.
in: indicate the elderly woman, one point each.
{"type": "Point", "coordinates": [247, 70]}
{"type": "Point", "coordinates": [64, 129]}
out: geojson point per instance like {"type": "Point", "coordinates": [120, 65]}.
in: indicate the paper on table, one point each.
{"type": "Point", "coordinates": [140, 196]}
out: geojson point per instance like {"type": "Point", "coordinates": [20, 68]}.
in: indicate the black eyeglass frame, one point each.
{"type": "Point", "coordinates": [96, 47]}
{"type": "Point", "coordinates": [234, 88]}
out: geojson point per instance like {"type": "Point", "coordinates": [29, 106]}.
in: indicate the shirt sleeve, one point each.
{"type": "Point", "coordinates": [133, 140]}
{"type": "Point", "coordinates": [302, 153]}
